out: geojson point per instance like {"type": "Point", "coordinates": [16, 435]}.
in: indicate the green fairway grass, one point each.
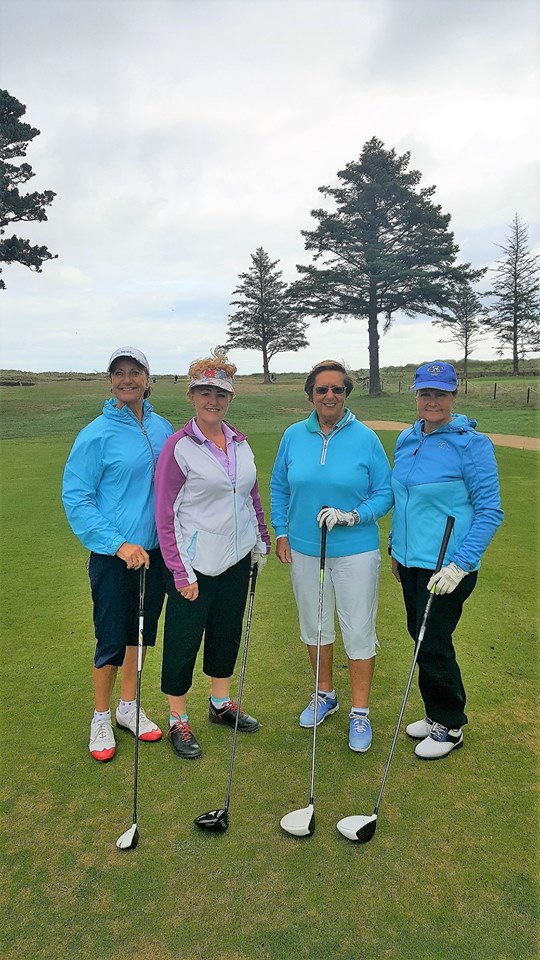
{"type": "Point", "coordinates": [451, 871]}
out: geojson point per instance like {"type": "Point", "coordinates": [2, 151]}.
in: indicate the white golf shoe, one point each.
{"type": "Point", "coordinates": [102, 744]}
{"type": "Point", "coordinates": [440, 743]}
{"type": "Point", "coordinates": [148, 730]}
{"type": "Point", "coordinates": [419, 729]}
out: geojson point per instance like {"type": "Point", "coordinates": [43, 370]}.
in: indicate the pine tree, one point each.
{"type": "Point", "coordinates": [514, 318]}
{"type": "Point", "coordinates": [265, 319]}
{"type": "Point", "coordinates": [465, 317]}
{"type": "Point", "coordinates": [15, 137]}
{"type": "Point", "coordinates": [386, 248]}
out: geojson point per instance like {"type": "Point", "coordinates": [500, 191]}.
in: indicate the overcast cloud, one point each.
{"type": "Point", "coordinates": [180, 135]}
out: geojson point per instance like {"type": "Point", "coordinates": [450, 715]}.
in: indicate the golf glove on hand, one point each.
{"type": "Point", "coordinates": [447, 579]}
{"type": "Point", "coordinates": [260, 559]}
{"type": "Point", "coordinates": [331, 516]}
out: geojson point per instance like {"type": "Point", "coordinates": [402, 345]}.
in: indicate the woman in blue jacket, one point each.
{"type": "Point", "coordinates": [108, 495]}
{"type": "Point", "coordinates": [442, 467]}
{"type": "Point", "coordinates": [331, 458]}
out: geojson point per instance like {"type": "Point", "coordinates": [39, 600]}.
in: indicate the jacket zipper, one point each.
{"type": "Point", "coordinates": [147, 438]}
{"type": "Point", "coordinates": [326, 440]}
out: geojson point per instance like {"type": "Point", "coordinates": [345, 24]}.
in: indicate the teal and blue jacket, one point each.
{"type": "Point", "coordinates": [450, 472]}
{"type": "Point", "coordinates": [108, 486]}
{"type": "Point", "coordinates": [346, 468]}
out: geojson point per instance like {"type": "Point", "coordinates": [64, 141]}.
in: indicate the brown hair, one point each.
{"type": "Point", "coordinates": [320, 368]}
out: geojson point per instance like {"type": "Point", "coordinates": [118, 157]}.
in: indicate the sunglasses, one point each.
{"type": "Point", "coordinates": [320, 391]}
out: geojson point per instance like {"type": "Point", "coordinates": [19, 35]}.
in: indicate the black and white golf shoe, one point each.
{"type": "Point", "coordinates": [440, 743]}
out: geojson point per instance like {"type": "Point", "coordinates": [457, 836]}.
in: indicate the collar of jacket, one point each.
{"type": "Point", "coordinates": [124, 413]}
{"type": "Point", "coordinates": [188, 430]}
{"type": "Point", "coordinates": [313, 425]}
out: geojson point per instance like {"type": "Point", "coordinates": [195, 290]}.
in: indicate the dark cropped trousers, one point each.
{"type": "Point", "coordinates": [217, 613]}
{"type": "Point", "coordinates": [439, 676]}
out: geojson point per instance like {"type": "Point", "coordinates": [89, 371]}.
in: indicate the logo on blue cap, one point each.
{"type": "Point", "coordinates": [438, 375]}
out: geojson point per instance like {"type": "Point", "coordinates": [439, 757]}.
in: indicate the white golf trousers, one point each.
{"type": "Point", "coordinates": [351, 585]}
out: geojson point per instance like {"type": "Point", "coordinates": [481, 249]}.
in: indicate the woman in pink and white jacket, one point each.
{"type": "Point", "coordinates": [211, 530]}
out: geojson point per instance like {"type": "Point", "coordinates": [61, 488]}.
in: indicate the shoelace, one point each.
{"type": "Point", "coordinates": [232, 705]}
{"type": "Point", "coordinates": [103, 731]}
{"type": "Point", "coordinates": [439, 732]}
{"type": "Point", "coordinates": [360, 722]}
{"type": "Point", "coordinates": [182, 728]}
{"type": "Point", "coordinates": [321, 698]}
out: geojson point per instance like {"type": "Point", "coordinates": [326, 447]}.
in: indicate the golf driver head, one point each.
{"type": "Point", "coordinates": [299, 823]}
{"type": "Point", "coordinates": [129, 839]}
{"type": "Point", "coordinates": [360, 829]}
{"type": "Point", "coordinates": [216, 820]}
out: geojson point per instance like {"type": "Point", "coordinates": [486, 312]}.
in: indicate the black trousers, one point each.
{"type": "Point", "coordinates": [217, 612]}
{"type": "Point", "coordinates": [439, 676]}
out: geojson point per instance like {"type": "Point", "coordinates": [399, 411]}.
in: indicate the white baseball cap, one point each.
{"type": "Point", "coordinates": [132, 352]}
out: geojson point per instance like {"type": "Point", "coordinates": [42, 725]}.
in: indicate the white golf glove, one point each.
{"type": "Point", "coordinates": [331, 516]}
{"type": "Point", "coordinates": [447, 579]}
{"type": "Point", "coordinates": [260, 559]}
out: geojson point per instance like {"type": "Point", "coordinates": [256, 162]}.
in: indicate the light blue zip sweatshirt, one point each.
{"type": "Point", "coordinates": [346, 468]}
{"type": "Point", "coordinates": [108, 489]}
{"type": "Point", "coordinates": [450, 472]}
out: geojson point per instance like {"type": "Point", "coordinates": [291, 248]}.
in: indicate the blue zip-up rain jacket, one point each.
{"type": "Point", "coordinates": [450, 472]}
{"type": "Point", "coordinates": [346, 468]}
{"type": "Point", "coordinates": [108, 489]}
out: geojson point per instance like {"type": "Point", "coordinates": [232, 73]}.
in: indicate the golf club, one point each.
{"type": "Point", "coordinates": [130, 839]}
{"type": "Point", "coordinates": [301, 823]}
{"type": "Point", "coordinates": [218, 820]}
{"type": "Point", "coordinates": [362, 828]}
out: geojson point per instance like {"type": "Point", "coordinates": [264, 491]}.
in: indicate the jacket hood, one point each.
{"type": "Point", "coordinates": [458, 424]}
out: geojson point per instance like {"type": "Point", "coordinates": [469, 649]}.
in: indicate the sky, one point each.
{"type": "Point", "coordinates": [180, 135]}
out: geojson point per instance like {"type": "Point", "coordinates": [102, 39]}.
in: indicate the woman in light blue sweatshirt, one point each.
{"type": "Point", "coordinates": [333, 459]}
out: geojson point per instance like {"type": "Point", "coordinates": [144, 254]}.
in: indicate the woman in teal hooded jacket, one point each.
{"type": "Point", "coordinates": [108, 495]}
{"type": "Point", "coordinates": [442, 468]}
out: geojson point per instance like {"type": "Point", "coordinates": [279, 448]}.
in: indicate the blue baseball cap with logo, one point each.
{"type": "Point", "coordinates": [437, 375]}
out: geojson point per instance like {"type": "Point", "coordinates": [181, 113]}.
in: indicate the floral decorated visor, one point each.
{"type": "Point", "coordinates": [213, 377]}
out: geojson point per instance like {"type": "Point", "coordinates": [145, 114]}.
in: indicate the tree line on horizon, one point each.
{"type": "Point", "coordinates": [384, 249]}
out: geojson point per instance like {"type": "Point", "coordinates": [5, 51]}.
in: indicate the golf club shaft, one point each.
{"type": "Point", "coordinates": [318, 656]}
{"type": "Point", "coordinates": [444, 544]}
{"type": "Point", "coordinates": [254, 572]}
{"type": "Point", "coordinates": [142, 587]}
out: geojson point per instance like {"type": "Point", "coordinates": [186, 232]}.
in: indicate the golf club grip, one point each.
{"type": "Point", "coordinates": [254, 574]}
{"type": "Point", "coordinates": [324, 533]}
{"type": "Point", "coordinates": [450, 521]}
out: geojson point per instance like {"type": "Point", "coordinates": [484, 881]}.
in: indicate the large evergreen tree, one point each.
{"type": "Point", "coordinates": [265, 320]}
{"type": "Point", "coordinates": [15, 135]}
{"type": "Point", "coordinates": [514, 317]}
{"type": "Point", "coordinates": [464, 317]}
{"type": "Point", "coordinates": [385, 248]}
